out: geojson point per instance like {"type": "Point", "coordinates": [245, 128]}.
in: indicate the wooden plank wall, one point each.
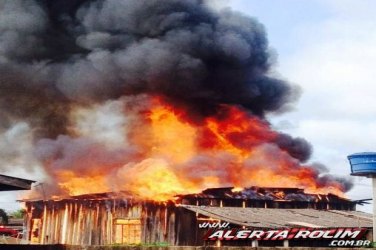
{"type": "Point", "coordinates": [84, 222]}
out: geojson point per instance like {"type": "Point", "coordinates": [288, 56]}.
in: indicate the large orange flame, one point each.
{"type": "Point", "coordinates": [232, 147]}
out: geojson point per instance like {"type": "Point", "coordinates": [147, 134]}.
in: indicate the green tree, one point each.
{"type": "Point", "coordinates": [18, 214]}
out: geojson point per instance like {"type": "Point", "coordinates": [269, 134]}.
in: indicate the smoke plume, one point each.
{"type": "Point", "coordinates": [90, 51]}
{"type": "Point", "coordinates": [57, 57]}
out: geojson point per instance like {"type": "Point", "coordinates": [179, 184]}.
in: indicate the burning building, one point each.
{"type": "Point", "coordinates": [157, 98]}
{"type": "Point", "coordinates": [117, 218]}
{"type": "Point", "coordinates": [151, 98]}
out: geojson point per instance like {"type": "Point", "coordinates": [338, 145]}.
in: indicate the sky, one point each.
{"type": "Point", "coordinates": [327, 47]}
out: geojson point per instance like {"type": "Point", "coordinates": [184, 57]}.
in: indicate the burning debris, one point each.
{"type": "Point", "coordinates": [155, 97]}
{"type": "Point", "coordinates": [264, 197]}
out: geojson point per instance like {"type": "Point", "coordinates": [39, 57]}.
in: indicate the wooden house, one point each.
{"type": "Point", "coordinates": [118, 218]}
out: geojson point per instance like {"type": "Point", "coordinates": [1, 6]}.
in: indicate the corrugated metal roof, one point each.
{"type": "Point", "coordinates": [277, 218]}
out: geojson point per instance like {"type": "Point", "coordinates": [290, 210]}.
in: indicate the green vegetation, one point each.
{"type": "Point", "coordinates": [19, 214]}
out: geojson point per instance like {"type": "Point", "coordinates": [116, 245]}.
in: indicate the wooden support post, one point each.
{"type": "Point", "coordinates": [285, 243]}
{"type": "Point", "coordinates": [218, 243]}
{"type": "Point", "coordinates": [65, 225]}
{"type": "Point", "coordinates": [44, 224]}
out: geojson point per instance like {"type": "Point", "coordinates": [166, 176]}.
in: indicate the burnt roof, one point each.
{"type": "Point", "coordinates": [250, 193]}
{"type": "Point", "coordinates": [264, 193]}
{"type": "Point", "coordinates": [123, 195]}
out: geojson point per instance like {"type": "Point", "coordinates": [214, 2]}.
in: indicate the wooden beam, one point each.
{"type": "Point", "coordinates": [8, 183]}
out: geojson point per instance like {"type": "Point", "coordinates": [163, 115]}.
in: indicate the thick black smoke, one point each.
{"type": "Point", "coordinates": [298, 148]}
{"type": "Point", "coordinates": [56, 52]}
{"type": "Point", "coordinates": [326, 180]}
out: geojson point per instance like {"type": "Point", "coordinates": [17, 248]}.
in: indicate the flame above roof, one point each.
{"type": "Point", "coordinates": [264, 193]}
